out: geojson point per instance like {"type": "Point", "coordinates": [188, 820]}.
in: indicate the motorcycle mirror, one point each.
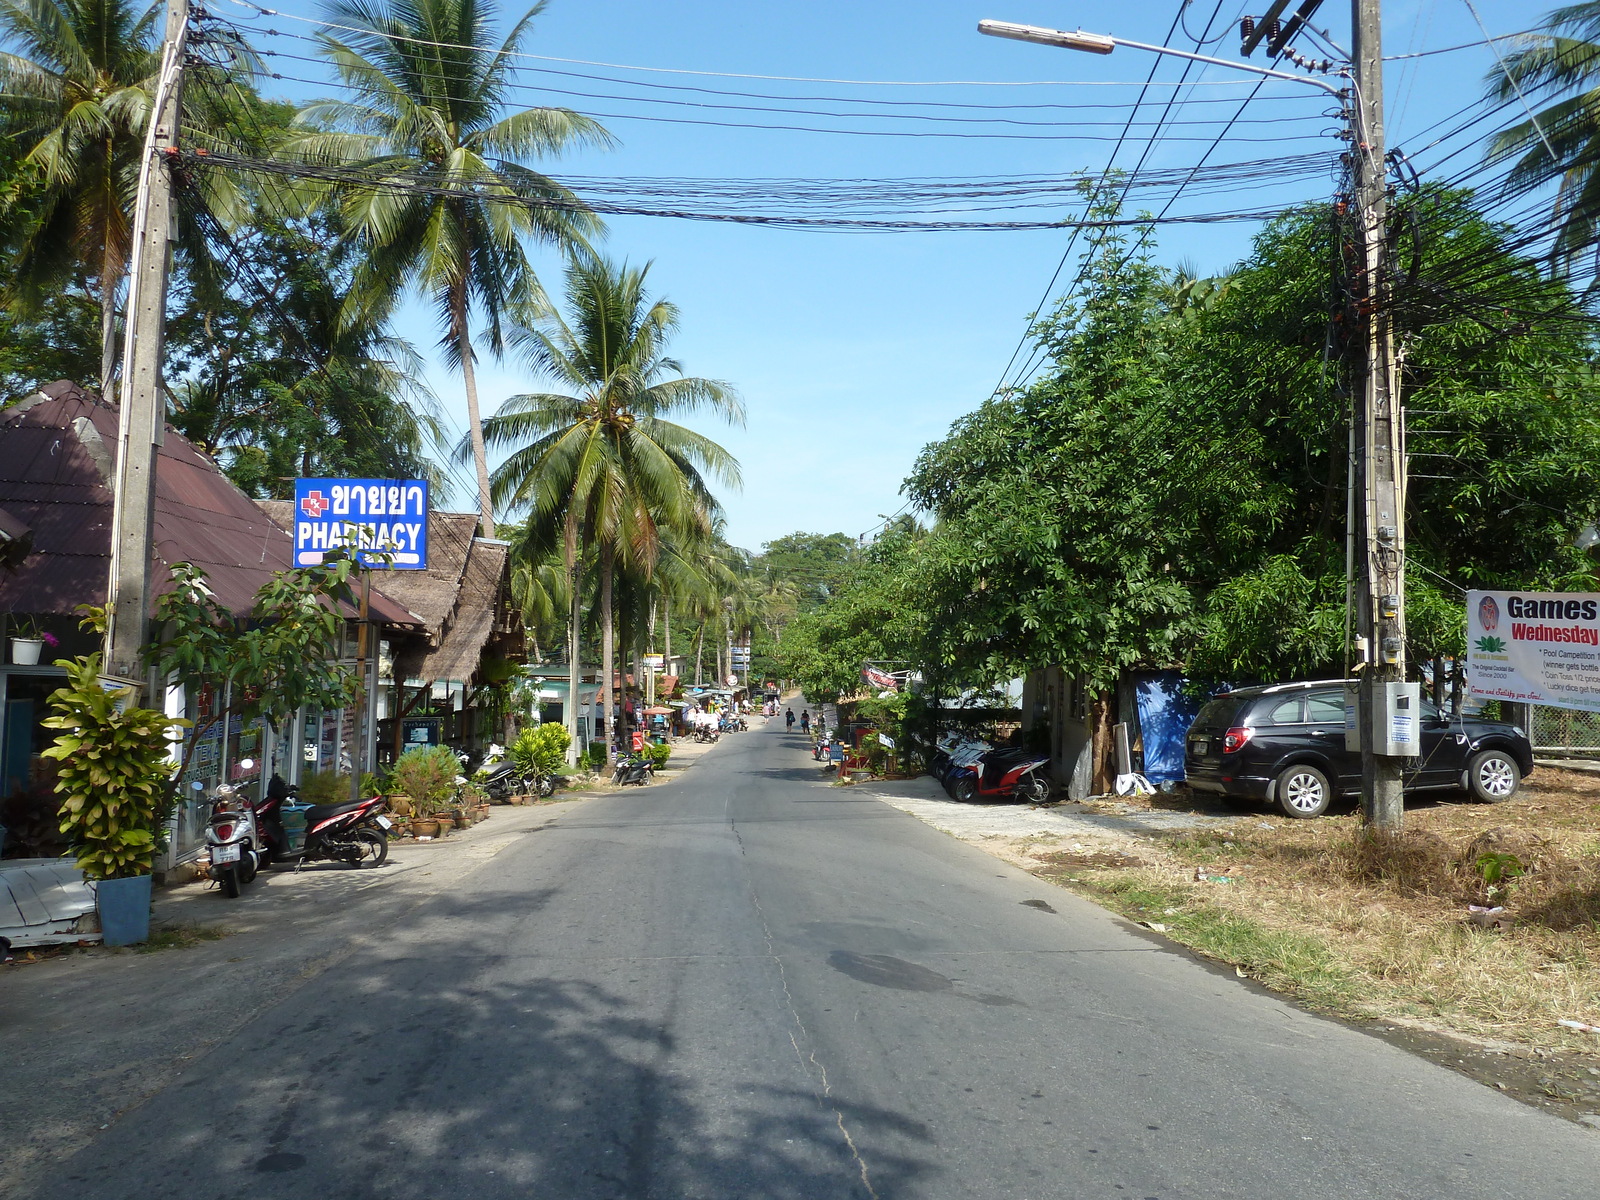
{"type": "Point", "coordinates": [198, 786]}
{"type": "Point", "coordinates": [247, 764]}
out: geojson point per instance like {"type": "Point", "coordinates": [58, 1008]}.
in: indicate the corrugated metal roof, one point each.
{"type": "Point", "coordinates": [57, 455]}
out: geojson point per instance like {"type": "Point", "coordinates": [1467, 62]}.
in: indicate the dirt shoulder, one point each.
{"type": "Point", "coordinates": [1378, 934]}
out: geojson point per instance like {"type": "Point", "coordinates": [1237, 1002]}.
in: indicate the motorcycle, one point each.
{"type": "Point", "coordinates": [633, 768]}
{"type": "Point", "coordinates": [356, 833]}
{"type": "Point", "coordinates": [502, 779]}
{"type": "Point", "coordinates": [1005, 773]}
{"type": "Point", "coordinates": [233, 839]}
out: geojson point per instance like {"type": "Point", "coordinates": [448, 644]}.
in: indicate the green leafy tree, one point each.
{"type": "Point", "coordinates": [429, 107]}
{"type": "Point", "coordinates": [605, 462]}
{"type": "Point", "coordinates": [810, 566]}
{"type": "Point", "coordinates": [276, 380]}
{"type": "Point", "coordinates": [286, 656]}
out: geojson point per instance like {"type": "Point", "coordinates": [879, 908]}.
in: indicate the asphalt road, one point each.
{"type": "Point", "coordinates": [747, 984]}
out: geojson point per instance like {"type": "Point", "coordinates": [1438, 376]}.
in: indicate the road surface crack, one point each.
{"type": "Point", "coordinates": [806, 1058]}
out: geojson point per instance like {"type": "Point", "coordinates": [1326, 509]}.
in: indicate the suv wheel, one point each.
{"type": "Point", "coordinates": [1303, 791]}
{"type": "Point", "coordinates": [1493, 776]}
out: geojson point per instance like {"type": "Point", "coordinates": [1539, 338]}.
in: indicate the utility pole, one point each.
{"type": "Point", "coordinates": [1381, 499]}
{"type": "Point", "coordinates": [142, 411]}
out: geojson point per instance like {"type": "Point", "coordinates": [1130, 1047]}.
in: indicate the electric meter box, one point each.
{"type": "Point", "coordinates": [1399, 719]}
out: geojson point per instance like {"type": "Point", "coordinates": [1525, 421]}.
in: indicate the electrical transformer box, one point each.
{"type": "Point", "coordinates": [1399, 719]}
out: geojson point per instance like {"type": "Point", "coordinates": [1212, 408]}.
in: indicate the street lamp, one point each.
{"type": "Point", "coordinates": [1388, 727]}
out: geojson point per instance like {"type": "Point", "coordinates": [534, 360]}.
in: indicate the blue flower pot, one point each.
{"type": "Point", "coordinates": [124, 910]}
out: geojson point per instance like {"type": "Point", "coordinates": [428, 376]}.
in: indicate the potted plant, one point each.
{"type": "Point", "coordinates": [427, 774]}
{"type": "Point", "coordinates": [115, 784]}
{"type": "Point", "coordinates": [28, 641]}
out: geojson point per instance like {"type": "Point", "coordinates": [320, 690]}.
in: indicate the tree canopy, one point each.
{"type": "Point", "coordinates": [1171, 492]}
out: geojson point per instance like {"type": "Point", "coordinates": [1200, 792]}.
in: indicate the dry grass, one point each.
{"type": "Point", "coordinates": [1377, 927]}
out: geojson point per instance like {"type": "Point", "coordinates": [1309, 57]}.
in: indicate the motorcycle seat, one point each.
{"type": "Point", "coordinates": [318, 813]}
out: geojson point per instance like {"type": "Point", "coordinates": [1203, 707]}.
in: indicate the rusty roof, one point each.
{"type": "Point", "coordinates": [57, 454]}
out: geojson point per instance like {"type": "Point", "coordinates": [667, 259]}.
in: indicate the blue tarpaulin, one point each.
{"type": "Point", "coordinates": [1165, 715]}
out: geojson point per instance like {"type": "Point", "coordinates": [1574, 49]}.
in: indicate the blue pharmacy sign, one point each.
{"type": "Point", "coordinates": [382, 522]}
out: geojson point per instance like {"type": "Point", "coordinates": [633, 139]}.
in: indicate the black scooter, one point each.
{"type": "Point", "coordinates": [633, 768]}
{"type": "Point", "coordinates": [357, 834]}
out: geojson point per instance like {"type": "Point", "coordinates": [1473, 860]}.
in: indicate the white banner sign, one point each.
{"type": "Point", "coordinates": [1535, 647]}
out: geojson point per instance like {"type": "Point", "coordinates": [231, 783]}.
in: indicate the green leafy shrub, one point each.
{"type": "Point", "coordinates": [657, 755]}
{"type": "Point", "coordinates": [428, 775]}
{"type": "Point", "coordinates": [115, 779]}
{"type": "Point", "coordinates": [325, 787]}
{"type": "Point", "coordinates": [541, 748]}
{"type": "Point", "coordinates": [596, 756]}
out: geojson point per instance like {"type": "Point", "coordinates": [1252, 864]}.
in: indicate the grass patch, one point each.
{"type": "Point", "coordinates": [180, 937]}
{"type": "Point", "coordinates": [1377, 928]}
{"type": "Point", "coordinates": [1299, 964]}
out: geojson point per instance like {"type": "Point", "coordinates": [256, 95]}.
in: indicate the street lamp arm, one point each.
{"type": "Point", "coordinates": [1100, 43]}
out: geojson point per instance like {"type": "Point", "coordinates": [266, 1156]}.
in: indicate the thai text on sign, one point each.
{"type": "Point", "coordinates": [381, 522]}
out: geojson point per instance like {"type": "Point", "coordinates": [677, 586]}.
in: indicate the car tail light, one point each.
{"type": "Point", "coordinates": [1235, 738]}
{"type": "Point", "coordinates": [223, 831]}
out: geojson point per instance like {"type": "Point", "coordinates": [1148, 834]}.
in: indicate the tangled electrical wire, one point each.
{"type": "Point", "coordinates": [862, 205]}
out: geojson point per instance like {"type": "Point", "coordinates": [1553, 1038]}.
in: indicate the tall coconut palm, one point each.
{"type": "Point", "coordinates": [604, 458]}
{"type": "Point", "coordinates": [1561, 142]}
{"type": "Point", "coordinates": [77, 94]}
{"type": "Point", "coordinates": [442, 160]}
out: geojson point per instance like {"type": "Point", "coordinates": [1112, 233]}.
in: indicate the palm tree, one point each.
{"type": "Point", "coordinates": [76, 97]}
{"type": "Point", "coordinates": [1561, 143]}
{"type": "Point", "coordinates": [604, 460]}
{"type": "Point", "coordinates": [77, 93]}
{"type": "Point", "coordinates": [440, 161]}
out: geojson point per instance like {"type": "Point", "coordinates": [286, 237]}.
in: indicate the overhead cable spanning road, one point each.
{"type": "Point", "coordinates": [791, 203]}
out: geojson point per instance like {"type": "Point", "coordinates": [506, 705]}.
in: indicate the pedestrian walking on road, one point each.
{"type": "Point", "coordinates": [805, 720]}
{"type": "Point", "coordinates": [788, 719]}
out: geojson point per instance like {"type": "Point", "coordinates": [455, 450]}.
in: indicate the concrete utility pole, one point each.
{"type": "Point", "coordinates": [1381, 546]}
{"type": "Point", "coordinates": [142, 412]}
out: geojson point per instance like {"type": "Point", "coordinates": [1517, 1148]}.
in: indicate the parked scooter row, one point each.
{"type": "Point", "coordinates": [244, 837]}
{"type": "Point", "coordinates": [973, 770]}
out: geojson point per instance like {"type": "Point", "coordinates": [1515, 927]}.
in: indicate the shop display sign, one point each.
{"type": "Point", "coordinates": [383, 522]}
{"type": "Point", "coordinates": [1535, 648]}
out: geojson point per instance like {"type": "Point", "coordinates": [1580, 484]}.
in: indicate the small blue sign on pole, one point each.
{"type": "Point", "coordinates": [382, 522]}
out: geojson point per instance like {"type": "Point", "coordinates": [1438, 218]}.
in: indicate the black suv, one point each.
{"type": "Point", "coordinates": [1285, 744]}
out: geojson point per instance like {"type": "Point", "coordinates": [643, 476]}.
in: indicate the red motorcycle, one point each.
{"type": "Point", "coordinates": [356, 833]}
{"type": "Point", "coordinates": [1007, 773]}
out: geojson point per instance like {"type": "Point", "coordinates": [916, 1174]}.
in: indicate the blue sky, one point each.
{"type": "Point", "coordinates": [854, 350]}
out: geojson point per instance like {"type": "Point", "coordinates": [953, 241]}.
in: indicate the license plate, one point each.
{"type": "Point", "coordinates": [1200, 746]}
{"type": "Point", "coordinates": [384, 822]}
{"type": "Point", "coordinates": [224, 854]}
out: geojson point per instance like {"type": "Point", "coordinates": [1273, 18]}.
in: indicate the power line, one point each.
{"type": "Point", "coordinates": [501, 52]}
{"type": "Point", "coordinates": [422, 183]}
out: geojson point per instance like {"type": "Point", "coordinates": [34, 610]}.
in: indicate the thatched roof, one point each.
{"type": "Point", "coordinates": [468, 633]}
